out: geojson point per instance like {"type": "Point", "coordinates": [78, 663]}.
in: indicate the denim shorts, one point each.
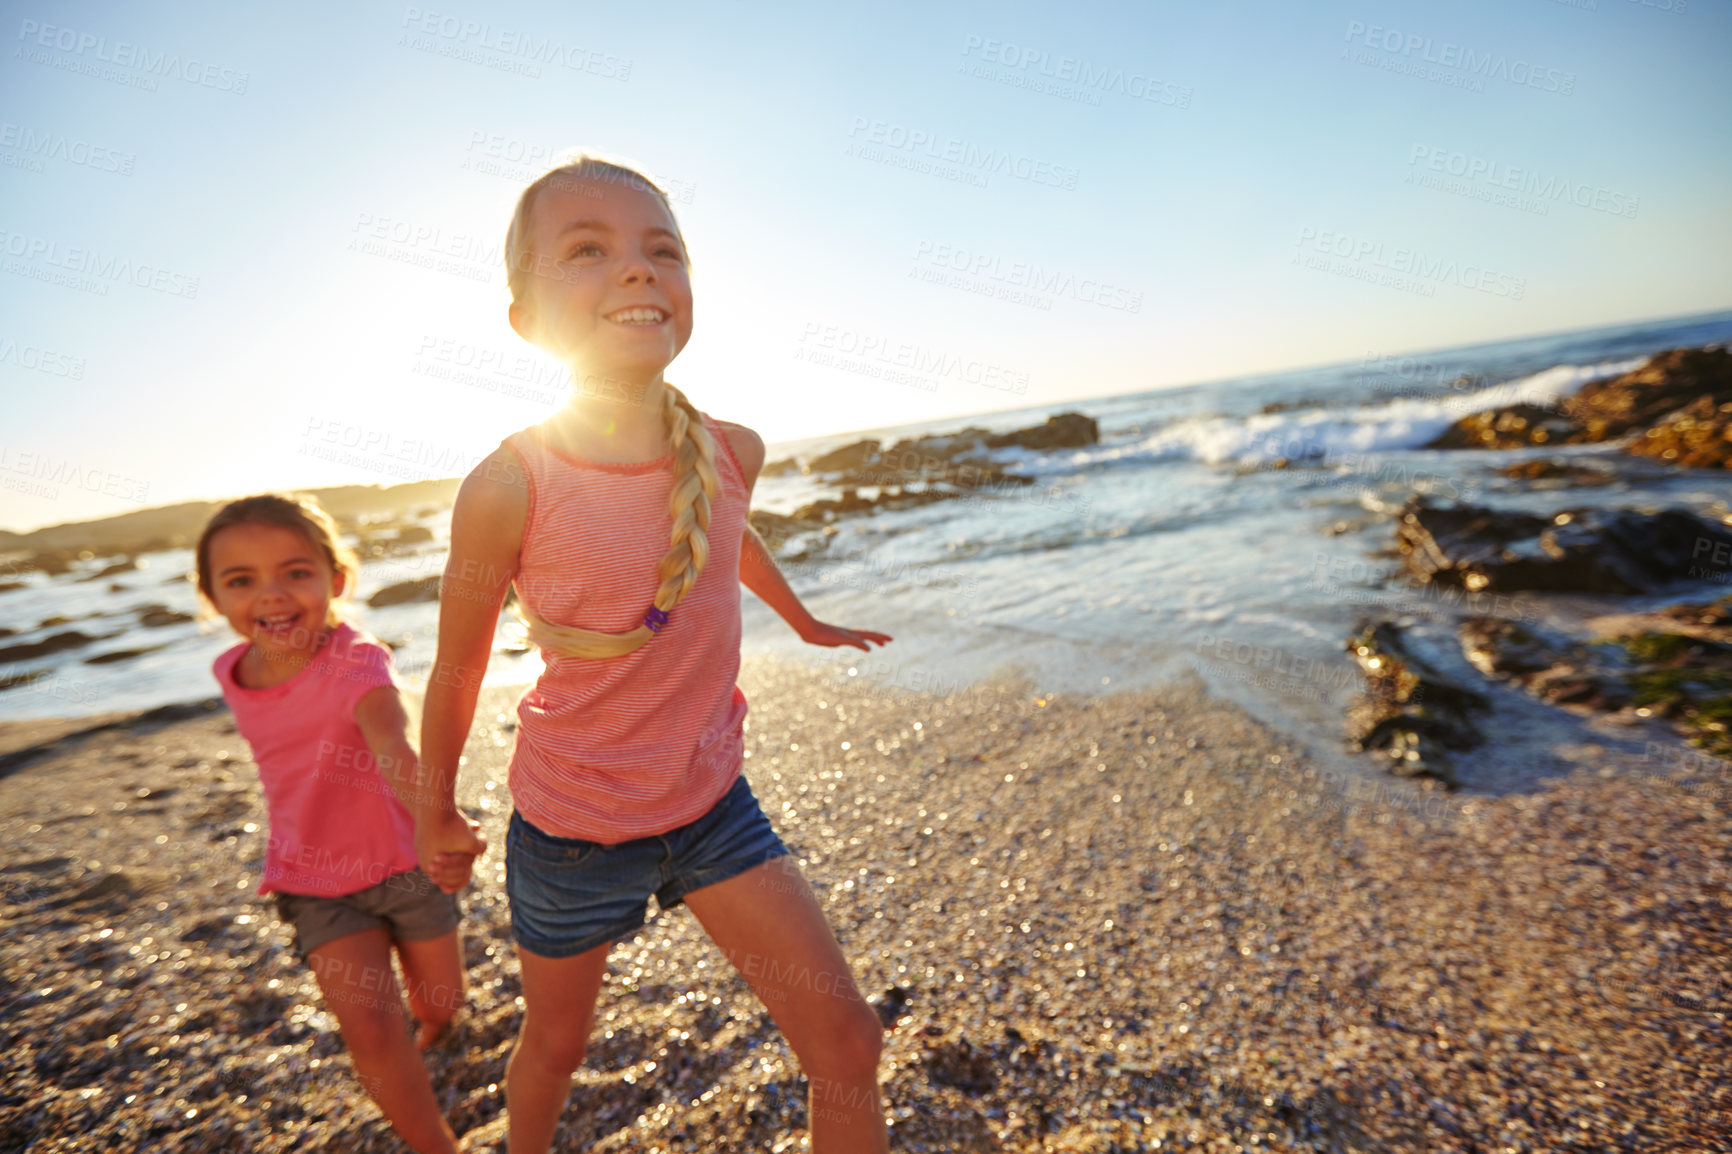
{"type": "Point", "coordinates": [569, 895]}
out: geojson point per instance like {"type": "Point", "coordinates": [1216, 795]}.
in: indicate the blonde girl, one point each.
{"type": "Point", "coordinates": [621, 520]}
{"type": "Point", "coordinates": [317, 701]}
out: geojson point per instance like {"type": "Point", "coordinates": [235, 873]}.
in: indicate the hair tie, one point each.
{"type": "Point", "coordinates": [655, 619]}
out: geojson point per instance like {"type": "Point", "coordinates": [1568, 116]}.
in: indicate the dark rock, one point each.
{"type": "Point", "coordinates": [940, 446]}
{"type": "Point", "coordinates": [1688, 680]}
{"type": "Point", "coordinates": [1712, 619]}
{"type": "Point", "coordinates": [1552, 469]}
{"type": "Point", "coordinates": [891, 1005]}
{"type": "Point", "coordinates": [1698, 436]}
{"type": "Point", "coordinates": [71, 639]}
{"type": "Point", "coordinates": [111, 886]}
{"type": "Point", "coordinates": [55, 563]}
{"type": "Point", "coordinates": [1061, 431]}
{"type": "Point", "coordinates": [156, 616]}
{"type": "Point", "coordinates": [1619, 551]}
{"type": "Point", "coordinates": [420, 589]}
{"type": "Point", "coordinates": [1677, 408]}
{"type": "Point", "coordinates": [1560, 673]}
{"type": "Point", "coordinates": [852, 456]}
{"type": "Point", "coordinates": [1412, 714]}
{"type": "Point", "coordinates": [1512, 428]}
{"type": "Point", "coordinates": [8, 586]}
{"type": "Point", "coordinates": [386, 540]}
{"type": "Point", "coordinates": [14, 680]}
{"type": "Point", "coordinates": [121, 655]}
{"type": "Point", "coordinates": [781, 468]}
{"type": "Point", "coordinates": [963, 1065]}
{"type": "Point", "coordinates": [1497, 647]}
{"type": "Point", "coordinates": [1643, 397]}
{"type": "Point", "coordinates": [127, 566]}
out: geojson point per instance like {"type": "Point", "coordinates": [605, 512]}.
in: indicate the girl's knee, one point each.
{"type": "Point", "coordinates": [553, 1051]}
{"type": "Point", "coordinates": [372, 1037]}
{"type": "Point", "coordinates": [851, 1049]}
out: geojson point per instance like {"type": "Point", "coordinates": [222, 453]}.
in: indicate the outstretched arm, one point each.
{"type": "Point", "coordinates": [760, 573]}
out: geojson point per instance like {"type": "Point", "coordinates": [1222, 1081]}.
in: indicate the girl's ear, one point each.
{"type": "Point", "coordinates": [519, 317]}
{"type": "Point", "coordinates": [339, 583]}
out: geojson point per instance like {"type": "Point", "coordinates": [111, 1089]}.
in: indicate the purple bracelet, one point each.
{"type": "Point", "coordinates": [655, 619]}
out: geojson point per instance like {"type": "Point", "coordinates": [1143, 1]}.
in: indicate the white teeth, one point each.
{"type": "Point", "coordinates": [639, 316]}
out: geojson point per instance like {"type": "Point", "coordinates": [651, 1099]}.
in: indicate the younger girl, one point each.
{"type": "Point", "coordinates": [622, 522]}
{"type": "Point", "coordinates": [317, 701]}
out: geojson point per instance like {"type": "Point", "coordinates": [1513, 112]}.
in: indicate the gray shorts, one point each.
{"type": "Point", "coordinates": [407, 905]}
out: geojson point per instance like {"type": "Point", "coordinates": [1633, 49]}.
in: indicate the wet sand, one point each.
{"type": "Point", "coordinates": [1124, 922]}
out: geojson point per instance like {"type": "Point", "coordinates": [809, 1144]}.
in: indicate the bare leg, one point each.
{"type": "Point", "coordinates": [360, 988]}
{"type": "Point", "coordinates": [558, 1009]}
{"type": "Point", "coordinates": [769, 924]}
{"type": "Point", "coordinates": [433, 971]}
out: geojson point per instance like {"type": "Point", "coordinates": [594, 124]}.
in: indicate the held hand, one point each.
{"type": "Point", "coordinates": [446, 846]}
{"type": "Point", "coordinates": [452, 871]}
{"type": "Point", "coordinates": [819, 633]}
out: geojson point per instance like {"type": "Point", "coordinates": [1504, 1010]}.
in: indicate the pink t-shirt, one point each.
{"type": "Point", "coordinates": [337, 826]}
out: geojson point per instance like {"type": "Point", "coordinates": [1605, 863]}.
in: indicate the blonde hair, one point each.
{"type": "Point", "coordinates": [694, 450]}
{"type": "Point", "coordinates": [294, 512]}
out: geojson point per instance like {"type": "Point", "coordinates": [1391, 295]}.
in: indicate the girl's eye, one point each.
{"type": "Point", "coordinates": [235, 582]}
{"type": "Point", "coordinates": [670, 252]}
{"type": "Point", "coordinates": [585, 247]}
{"type": "Point", "coordinates": [300, 574]}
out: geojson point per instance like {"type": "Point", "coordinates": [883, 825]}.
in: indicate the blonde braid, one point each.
{"type": "Point", "coordinates": [695, 486]}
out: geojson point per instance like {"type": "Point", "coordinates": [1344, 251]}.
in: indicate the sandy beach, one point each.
{"type": "Point", "coordinates": [1131, 921]}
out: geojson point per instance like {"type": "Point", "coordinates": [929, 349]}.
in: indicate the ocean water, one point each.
{"type": "Point", "coordinates": [1201, 534]}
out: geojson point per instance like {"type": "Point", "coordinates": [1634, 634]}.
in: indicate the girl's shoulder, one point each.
{"type": "Point", "coordinates": [499, 483]}
{"type": "Point", "coordinates": [492, 506]}
{"type": "Point", "coordinates": [747, 446]}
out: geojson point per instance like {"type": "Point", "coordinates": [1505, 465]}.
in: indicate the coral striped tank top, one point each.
{"type": "Point", "coordinates": [617, 748]}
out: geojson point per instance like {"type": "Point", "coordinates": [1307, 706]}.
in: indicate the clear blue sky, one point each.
{"type": "Point", "coordinates": [1157, 166]}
